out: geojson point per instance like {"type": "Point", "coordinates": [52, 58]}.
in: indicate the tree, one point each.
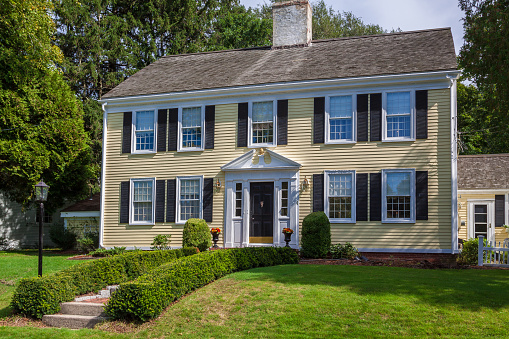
{"type": "Point", "coordinates": [41, 124]}
{"type": "Point", "coordinates": [484, 58]}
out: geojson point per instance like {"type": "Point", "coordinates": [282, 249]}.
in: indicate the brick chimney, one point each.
{"type": "Point", "coordinates": [291, 23]}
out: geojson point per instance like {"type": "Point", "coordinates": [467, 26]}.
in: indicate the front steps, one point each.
{"type": "Point", "coordinates": [77, 315]}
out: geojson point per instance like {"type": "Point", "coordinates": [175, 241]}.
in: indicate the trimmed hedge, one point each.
{"type": "Point", "coordinates": [315, 236]}
{"type": "Point", "coordinates": [35, 297]}
{"type": "Point", "coordinates": [147, 296]}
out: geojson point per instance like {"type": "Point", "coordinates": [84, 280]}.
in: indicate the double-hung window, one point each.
{"type": "Point", "coordinates": [142, 201]}
{"type": "Point", "coordinates": [189, 204]}
{"type": "Point", "coordinates": [398, 195]}
{"type": "Point", "coordinates": [399, 116]}
{"type": "Point", "coordinates": [262, 118]}
{"type": "Point", "coordinates": [340, 196]}
{"type": "Point", "coordinates": [341, 119]}
{"type": "Point", "coordinates": [191, 128]}
{"type": "Point", "coordinates": [144, 131]}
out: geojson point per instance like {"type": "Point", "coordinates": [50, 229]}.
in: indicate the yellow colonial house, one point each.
{"type": "Point", "coordinates": [253, 140]}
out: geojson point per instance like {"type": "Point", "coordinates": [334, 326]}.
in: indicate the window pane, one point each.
{"type": "Point", "coordinates": [262, 133]}
{"type": "Point", "coordinates": [142, 211]}
{"type": "Point", "coordinates": [398, 207]}
{"type": "Point", "coordinates": [143, 191]}
{"type": "Point", "coordinates": [191, 117]}
{"type": "Point", "coordinates": [340, 185]}
{"type": "Point", "coordinates": [398, 184]}
{"type": "Point", "coordinates": [284, 198]}
{"type": "Point", "coordinates": [398, 126]}
{"type": "Point", "coordinates": [341, 107]}
{"type": "Point", "coordinates": [238, 199]}
{"type": "Point", "coordinates": [340, 207]}
{"type": "Point", "coordinates": [144, 141]}
{"type": "Point", "coordinates": [142, 201]}
{"type": "Point", "coordinates": [398, 103]}
{"type": "Point", "coordinates": [191, 137]}
{"type": "Point", "coordinates": [262, 111]}
{"type": "Point", "coordinates": [340, 129]}
{"type": "Point", "coordinates": [145, 120]}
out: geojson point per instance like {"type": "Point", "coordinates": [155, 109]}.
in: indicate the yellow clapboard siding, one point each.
{"type": "Point", "coordinates": [432, 154]}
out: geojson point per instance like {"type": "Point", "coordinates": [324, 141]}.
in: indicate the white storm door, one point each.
{"type": "Point", "coordinates": [481, 219]}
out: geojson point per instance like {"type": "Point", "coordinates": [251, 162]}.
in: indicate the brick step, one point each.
{"type": "Point", "coordinates": [72, 321]}
{"type": "Point", "coordinates": [80, 308]}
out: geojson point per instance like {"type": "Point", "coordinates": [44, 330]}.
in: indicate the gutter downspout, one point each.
{"type": "Point", "coordinates": [103, 175]}
{"type": "Point", "coordinates": [454, 167]}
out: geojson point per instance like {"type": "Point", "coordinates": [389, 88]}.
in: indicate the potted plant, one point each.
{"type": "Point", "coordinates": [288, 235]}
{"type": "Point", "coordinates": [215, 236]}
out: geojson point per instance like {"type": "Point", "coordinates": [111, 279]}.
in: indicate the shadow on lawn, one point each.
{"type": "Point", "coordinates": [35, 253]}
{"type": "Point", "coordinates": [469, 289]}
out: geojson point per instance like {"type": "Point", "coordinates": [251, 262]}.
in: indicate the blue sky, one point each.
{"type": "Point", "coordinates": [409, 15]}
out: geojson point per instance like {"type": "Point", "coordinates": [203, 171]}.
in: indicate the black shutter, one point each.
{"type": "Point", "coordinates": [375, 110]}
{"type": "Point", "coordinates": [362, 117]}
{"type": "Point", "coordinates": [124, 202]}
{"type": "Point", "coordinates": [319, 122]}
{"type": "Point", "coordinates": [282, 122]}
{"type": "Point", "coordinates": [242, 124]}
{"type": "Point", "coordinates": [421, 108]}
{"type": "Point", "coordinates": [421, 195]}
{"type": "Point", "coordinates": [375, 196]}
{"type": "Point", "coordinates": [161, 130]}
{"type": "Point", "coordinates": [210, 122]}
{"type": "Point", "coordinates": [160, 200]}
{"type": "Point", "coordinates": [171, 200]}
{"type": "Point", "coordinates": [361, 197]}
{"type": "Point", "coordinates": [173, 128]}
{"type": "Point", "coordinates": [126, 132]}
{"type": "Point", "coordinates": [317, 192]}
{"type": "Point", "coordinates": [499, 210]}
{"type": "Point", "coordinates": [208, 197]}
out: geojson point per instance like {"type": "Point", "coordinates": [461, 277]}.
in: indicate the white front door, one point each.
{"type": "Point", "coordinates": [481, 220]}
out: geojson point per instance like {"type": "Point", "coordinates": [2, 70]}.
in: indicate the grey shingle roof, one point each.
{"type": "Point", "coordinates": [88, 205]}
{"type": "Point", "coordinates": [405, 52]}
{"type": "Point", "coordinates": [487, 171]}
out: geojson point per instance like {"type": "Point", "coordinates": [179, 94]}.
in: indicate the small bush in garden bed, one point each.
{"type": "Point", "coordinates": [147, 296]}
{"type": "Point", "coordinates": [347, 251]}
{"type": "Point", "coordinates": [196, 233]}
{"type": "Point", "coordinates": [470, 251]}
{"type": "Point", "coordinates": [103, 252]}
{"type": "Point", "coordinates": [35, 297]}
{"type": "Point", "coordinates": [62, 237]}
{"type": "Point", "coordinates": [315, 241]}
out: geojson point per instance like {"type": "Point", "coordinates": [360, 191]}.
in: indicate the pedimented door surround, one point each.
{"type": "Point", "coordinates": [259, 166]}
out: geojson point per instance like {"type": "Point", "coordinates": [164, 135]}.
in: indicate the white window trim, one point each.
{"type": "Point", "coordinates": [234, 189]}
{"type": "Point", "coordinates": [328, 139]}
{"type": "Point", "coordinates": [200, 177]}
{"type": "Point", "coordinates": [131, 202]}
{"type": "Point", "coordinates": [133, 132]}
{"type": "Point", "coordinates": [326, 197]}
{"type": "Point", "coordinates": [412, 196]}
{"type": "Point", "coordinates": [280, 197]}
{"type": "Point", "coordinates": [179, 141]}
{"type": "Point", "coordinates": [250, 143]}
{"type": "Point", "coordinates": [412, 117]}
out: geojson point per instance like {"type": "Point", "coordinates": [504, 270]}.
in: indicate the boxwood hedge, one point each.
{"type": "Point", "coordinates": [35, 297]}
{"type": "Point", "coordinates": [147, 296]}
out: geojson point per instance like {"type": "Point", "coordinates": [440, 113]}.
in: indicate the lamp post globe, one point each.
{"type": "Point", "coordinates": [40, 196]}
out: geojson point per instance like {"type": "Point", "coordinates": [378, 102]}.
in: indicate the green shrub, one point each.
{"type": "Point", "coordinates": [35, 297]}
{"type": "Point", "coordinates": [315, 241]}
{"type": "Point", "coordinates": [348, 251]}
{"type": "Point", "coordinates": [103, 252]}
{"type": "Point", "coordinates": [89, 242]}
{"type": "Point", "coordinates": [469, 253]}
{"type": "Point", "coordinates": [62, 237]}
{"type": "Point", "coordinates": [161, 242]}
{"type": "Point", "coordinates": [147, 296]}
{"type": "Point", "coordinates": [196, 234]}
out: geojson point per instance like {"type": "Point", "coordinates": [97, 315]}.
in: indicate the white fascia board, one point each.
{"type": "Point", "coordinates": [80, 214]}
{"type": "Point", "coordinates": [426, 80]}
{"type": "Point", "coordinates": [484, 191]}
{"type": "Point", "coordinates": [454, 167]}
{"type": "Point", "coordinates": [103, 174]}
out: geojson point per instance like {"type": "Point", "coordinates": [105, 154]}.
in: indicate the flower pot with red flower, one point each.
{"type": "Point", "coordinates": [215, 236]}
{"type": "Point", "coordinates": [288, 235]}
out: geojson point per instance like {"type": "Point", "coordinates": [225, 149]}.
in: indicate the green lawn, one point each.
{"type": "Point", "coordinates": [15, 265]}
{"type": "Point", "coordinates": [308, 301]}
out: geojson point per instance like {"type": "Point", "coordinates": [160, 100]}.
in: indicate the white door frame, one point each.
{"type": "Point", "coordinates": [491, 217]}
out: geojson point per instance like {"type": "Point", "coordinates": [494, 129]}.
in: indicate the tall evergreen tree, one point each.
{"type": "Point", "coordinates": [41, 122]}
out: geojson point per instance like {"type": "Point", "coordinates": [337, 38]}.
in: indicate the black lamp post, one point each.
{"type": "Point", "coordinates": [41, 195]}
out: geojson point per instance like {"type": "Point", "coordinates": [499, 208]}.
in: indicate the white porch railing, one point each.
{"type": "Point", "coordinates": [491, 255]}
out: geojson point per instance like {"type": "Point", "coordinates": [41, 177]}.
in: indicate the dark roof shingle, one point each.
{"type": "Point", "coordinates": [486, 171]}
{"type": "Point", "coordinates": [91, 204]}
{"type": "Point", "coordinates": [395, 53]}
